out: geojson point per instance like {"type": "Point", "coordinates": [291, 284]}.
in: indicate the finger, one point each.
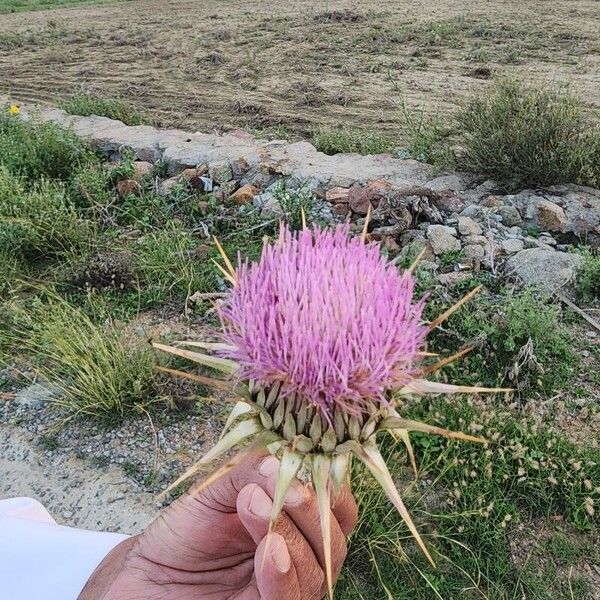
{"type": "Point", "coordinates": [276, 575]}
{"type": "Point", "coordinates": [254, 510]}
{"type": "Point", "coordinates": [254, 507]}
{"type": "Point", "coordinates": [301, 507]}
{"type": "Point", "coordinates": [345, 510]}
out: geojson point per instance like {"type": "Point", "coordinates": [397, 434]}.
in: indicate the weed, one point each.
{"type": "Point", "coordinates": [427, 137]}
{"type": "Point", "coordinates": [472, 497]}
{"type": "Point", "coordinates": [518, 338]}
{"type": "Point", "coordinates": [587, 282]}
{"type": "Point", "coordinates": [295, 203]}
{"type": "Point", "coordinates": [41, 150]}
{"type": "Point", "coordinates": [97, 371]}
{"type": "Point", "coordinates": [37, 222]}
{"type": "Point", "coordinates": [113, 108]}
{"type": "Point", "coordinates": [525, 136]}
{"type": "Point", "coordinates": [166, 263]}
{"type": "Point", "coordinates": [347, 140]}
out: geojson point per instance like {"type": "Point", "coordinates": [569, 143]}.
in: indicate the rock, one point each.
{"type": "Point", "coordinates": [220, 172]}
{"type": "Point", "coordinates": [453, 278]}
{"type": "Point", "coordinates": [442, 239]}
{"type": "Point", "coordinates": [239, 167]}
{"type": "Point", "coordinates": [492, 202]}
{"type": "Point", "coordinates": [166, 186]}
{"type": "Point", "coordinates": [128, 187]}
{"type": "Point", "coordinates": [455, 183]}
{"type": "Point", "coordinates": [510, 215]}
{"type": "Point", "coordinates": [360, 199]}
{"type": "Point", "coordinates": [141, 169]}
{"type": "Point", "coordinates": [337, 194]}
{"type": "Point", "coordinates": [548, 240]}
{"type": "Point", "coordinates": [33, 396]}
{"type": "Point", "coordinates": [512, 245]}
{"type": "Point", "coordinates": [340, 209]}
{"type": "Point", "coordinates": [480, 240]}
{"type": "Point", "coordinates": [466, 226]}
{"type": "Point", "coordinates": [379, 187]}
{"type": "Point", "coordinates": [390, 244]}
{"type": "Point", "coordinates": [245, 194]}
{"type": "Point", "coordinates": [412, 242]}
{"type": "Point", "coordinates": [271, 208]}
{"type": "Point", "coordinates": [473, 252]}
{"type": "Point", "coordinates": [547, 270]}
{"type": "Point", "coordinates": [449, 203]}
{"type": "Point", "coordinates": [550, 216]}
{"type": "Point", "coordinates": [194, 176]}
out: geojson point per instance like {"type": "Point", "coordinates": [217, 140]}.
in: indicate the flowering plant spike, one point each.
{"type": "Point", "coordinates": [319, 337]}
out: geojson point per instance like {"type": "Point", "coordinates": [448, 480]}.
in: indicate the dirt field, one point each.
{"type": "Point", "coordinates": [301, 64]}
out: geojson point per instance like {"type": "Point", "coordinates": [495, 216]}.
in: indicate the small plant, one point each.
{"type": "Point", "coordinates": [98, 371]}
{"type": "Point", "coordinates": [524, 136]}
{"type": "Point", "coordinates": [521, 339]}
{"type": "Point", "coordinates": [587, 283]}
{"type": "Point", "coordinates": [346, 140]}
{"type": "Point", "coordinates": [427, 138]}
{"type": "Point", "coordinates": [166, 263]}
{"type": "Point", "coordinates": [295, 203]}
{"type": "Point", "coordinates": [37, 222]}
{"type": "Point", "coordinates": [41, 150]}
{"type": "Point", "coordinates": [113, 108]}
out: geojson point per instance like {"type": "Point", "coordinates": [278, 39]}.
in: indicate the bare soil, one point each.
{"type": "Point", "coordinates": [298, 65]}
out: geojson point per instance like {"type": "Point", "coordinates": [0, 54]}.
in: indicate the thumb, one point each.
{"type": "Point", "coordinates": [275, 573]}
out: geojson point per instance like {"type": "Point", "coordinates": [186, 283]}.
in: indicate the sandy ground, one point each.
{"type": "Point", "coordinates": [107, 502]}
{"type": "Point", "coordinates": [300, 64]}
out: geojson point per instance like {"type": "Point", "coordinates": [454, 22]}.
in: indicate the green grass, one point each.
{"type": "Point", "coordinates": [12, 6]}
{"type": "Point", "coordinates": [468, 502]}
{"type": "Point", "coordinates": [113, 108]}
{"type": "Point", "coordinates": [100, 371]}
{"type": "Point", "coordinates": [519, 341]}
{"type": "Point", "coordinates": [347, 140]}
{"type": "Point", "coordinates": [523, 135]}
{"type": "Point", "coordinates": [587, 282]}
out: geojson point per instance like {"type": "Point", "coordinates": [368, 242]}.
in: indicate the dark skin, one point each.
{"type": "Point", "coordinates": [213, 545]}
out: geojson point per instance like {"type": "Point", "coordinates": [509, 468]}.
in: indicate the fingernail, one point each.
{"type": "Point", "coordinates": [295, 495]}
{"type": "Point", "coordinates": [260, 505]}
{"type": "Point", "coordinates": [280, 554]}
{"type": "Point", "coordinates": [269, 466]}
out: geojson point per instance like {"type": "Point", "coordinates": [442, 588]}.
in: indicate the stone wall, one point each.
{"type": "Point", "coordinates": [526, 234]}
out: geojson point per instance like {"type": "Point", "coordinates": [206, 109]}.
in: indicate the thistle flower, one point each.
{"type": "Point", "coordinates": [320, 338]}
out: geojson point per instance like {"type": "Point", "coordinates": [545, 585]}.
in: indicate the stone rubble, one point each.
{"type": "Point", "coordinates": [411, 207]}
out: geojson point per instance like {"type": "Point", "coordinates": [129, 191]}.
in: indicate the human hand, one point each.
{"type": "Point", "coordinates": [212, 545]}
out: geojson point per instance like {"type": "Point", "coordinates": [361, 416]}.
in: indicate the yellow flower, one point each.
{"type": "Point", "coordinates": [14, 109]}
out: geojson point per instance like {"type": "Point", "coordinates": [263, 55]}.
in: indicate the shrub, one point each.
{"type": "Point", "coordinates": [166, 263]}
{"type": "Point", "coordinates": [519, 339]}
{"type": "Point", "coordinates": [98, 371]}
{"type": "Point", "coordinates": [37, 222]}
{"type": "Point", "coordinates": [41, 150]}
{"type": "Point", "coordinates": [345, 140]}
{"type": "Point", "coordinates": [587, 283]}
{"type": "Point", "coordinates": [113, 108]}
{"type": "Point", "coordinates": [427, 138]}
{"type": "Point", "coordinates": [523, 136]}
{"type": "Point", "coordinates": [294, 202]}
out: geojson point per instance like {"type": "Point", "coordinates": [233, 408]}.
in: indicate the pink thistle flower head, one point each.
{"type": "Point", "coordinates": [325, 316]}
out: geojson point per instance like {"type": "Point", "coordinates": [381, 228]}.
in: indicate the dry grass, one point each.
{"type": "Point", "coordinates": [304, 64]}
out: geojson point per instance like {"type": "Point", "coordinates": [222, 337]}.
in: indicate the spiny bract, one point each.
{"type": "Point", "coordinates": [320, 337]}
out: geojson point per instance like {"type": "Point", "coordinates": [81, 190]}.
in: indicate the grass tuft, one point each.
{"type": "Point", "coordinates": [98, 371]}
{"type": "Point", "coordinates": [112, 108]}
{"type": "Point", "coordinates": [521, 135]}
